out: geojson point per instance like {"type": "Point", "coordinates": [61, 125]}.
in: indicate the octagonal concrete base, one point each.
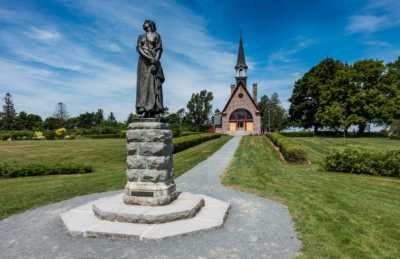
{"type": "Point", "coordinates": [83, 221]}
{"type": "Point", "coordinates": [186, 205]}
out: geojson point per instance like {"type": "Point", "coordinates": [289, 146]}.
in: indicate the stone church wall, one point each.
{"type": "Point", "coordinates": [246, 103]}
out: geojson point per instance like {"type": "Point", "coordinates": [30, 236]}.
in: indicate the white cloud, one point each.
{"type": "Point", "coordinates": [113, 47]}
{"type": "Point", "coordinates": [78, 70]}
{"type": "Point", "coordinates": [375, 16]}
{"type": "Point", "coordinates": [283, 68]}
{"type": "Point", "coordinates": [367, 23]}
{"type": "Point", "coordinates": [44, 35]}
{"type": "Point", "coordinates": [285, 55]}
{"type": "Point", "coordinates": [378, 43]}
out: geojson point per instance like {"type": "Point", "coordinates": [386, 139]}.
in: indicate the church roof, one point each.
{"type": "Point", "coordinates": [233, 94]}
{"type": "Point", "coordinates": [241, 59]}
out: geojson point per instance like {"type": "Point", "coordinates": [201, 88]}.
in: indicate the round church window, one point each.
{"type": "Point", "coordinates": [240, 95]}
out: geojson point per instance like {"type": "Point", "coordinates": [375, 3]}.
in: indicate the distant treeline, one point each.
{"type": "Point", "coordinates": [18, 125]}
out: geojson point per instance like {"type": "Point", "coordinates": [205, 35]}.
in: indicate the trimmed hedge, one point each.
{"type": "Point", "coordinates": [292, 152]}
{"type": "Point", "coordinates": [185, 142]}
{"type": "Point", "coordinates": [17, 169]}
{"type": "Point", "coordinates": [103, 136]}
{"type": "Point", "coordinates": [364, 162]}
{"type": "Point", "coordinates": [338, 134]}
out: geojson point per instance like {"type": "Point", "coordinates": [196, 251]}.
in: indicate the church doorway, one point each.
{"type": "Point", "coordinates": [241, 120]}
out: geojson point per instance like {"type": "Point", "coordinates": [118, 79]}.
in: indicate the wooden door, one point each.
{"type": "Point", "coordinates": [249, 126]}
{"type": "Point", "coordinates": [232, 126]}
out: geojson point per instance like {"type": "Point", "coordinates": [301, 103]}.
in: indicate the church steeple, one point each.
{"type": "Point", "coordinates": [241, 66]}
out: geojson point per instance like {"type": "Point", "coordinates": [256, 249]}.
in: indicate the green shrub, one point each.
{"type": "Point", "coordinates": [394, 130]}
{"type": "Point", "coordinates": [95, 131]}
{"type": "Point", "coordinates": [335, 134]}
{"type": "Point", "coordinates": [186, 133]}
{"type": "Point", "coordinates": [296, 134]}
{"type": "Point", "coordinates": [16, 135]}
{"type": "Point", "coordinates": [49, 134]}
{"type": "Point", "coordinates": [292, 152]}
{"type": "Point", "coordinates": [17, 169]}
{"type": "Point", "coordinates": [364, 162]}
{"type": "Point", "coordinates": [102, 136]}
{"type": "Point", "coordinates": [188, 141]}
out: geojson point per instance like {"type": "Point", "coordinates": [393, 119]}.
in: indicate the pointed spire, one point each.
{"type": "Point", "coordinates": [241, 59]}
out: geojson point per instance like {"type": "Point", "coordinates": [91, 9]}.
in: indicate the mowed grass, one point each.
{"type": "Point", "coordinates": [336, 215]}
{"type": "Point", "coordinates": [318, 147]}
{"type": "Point", "coordinates": [106, 155]}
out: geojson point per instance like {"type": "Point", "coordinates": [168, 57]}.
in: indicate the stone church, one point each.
{"type": "Point", "coordinates": [241, 113]}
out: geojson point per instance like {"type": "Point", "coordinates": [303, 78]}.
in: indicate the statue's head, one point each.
{"type": "Point", "coordinates": [149, 26]}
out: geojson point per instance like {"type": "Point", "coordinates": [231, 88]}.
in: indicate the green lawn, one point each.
{"type": "Point", "coordinates": [106, 155]}
{"type": "Point", "coordinates": [336, 215]}
{"type": "Point", "coordinates": [318, 147]}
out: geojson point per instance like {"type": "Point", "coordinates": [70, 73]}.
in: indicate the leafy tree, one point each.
{"type": "Point", "coordinates": [277, 115]}
{"type": "Point", "coordinates": [20, 121]}
{"type": "Point", "coordinates": [336, 104]}
{"type": "Point", "coordinates": [389, 98]}
{"type": "Point", "coordinates": [367, 98]}
{"type": "Point", "coordinates": [9, 114]}
{"type": "Point", "coordinates": [72, 122]}
{"type": "Point", "coordinates": [394, 129]}
{"type": "Point", "coordinates": [175, 123]}
{"type": "Point", "coordinates": [51, 123]}
{"type": "Point", "coordinates": [111, 120]}
{"type": "Point", "coordinates": [305, 100]}
{"type": "Point", "coordinates": [264, 108]}
{"type": "Point", "coordinates": [99, 116]}
{"type": "Point", "coordinates": [28, 121]}
{"type": "Point", "coordinates": [273, 115]}
{"type": "Point", "coordinates": [181, 113]}
{"type": "Point", "coordinates": [199, 108]}
{"type": "Point", "coordinates": [86, 120]}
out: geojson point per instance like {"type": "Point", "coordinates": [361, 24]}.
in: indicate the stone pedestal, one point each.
{"type": "Point", "coordinates": [149, 163]}
{"type": "Point", "coordinates": [136, 213]}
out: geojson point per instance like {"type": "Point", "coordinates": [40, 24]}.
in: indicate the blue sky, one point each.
{"type": "Point", "coordinates": [83, 53]}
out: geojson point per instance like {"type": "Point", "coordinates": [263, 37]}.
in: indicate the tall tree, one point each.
{"type": "Point", "coordinates": [389, 98]}
{"type": "Point", "coordinates": [99, 116]}
{"type": "Point", "coordinates": [367, 79]}
{"type": "Point", "coordinates": [9, 114]}
{"type": "Point", "coordinates": [273, 115]}
{"type": "Point", "coordinates": [264, 108]}
{"type": "Point", "coordinates": [86, 120]}
{"type": "Point", "coordinates": [277, 113]}
{"type": "Point", "coordinates": [51, 123]}
{"type": "Point", "coordinates": [26, 121]}
{"type": "Point", "coordinates": [111, 120]}
{"type": "Point", "coordinates": [306, 97]}
{"type": "Point", "coordinates": [33, 121]}
{"type": "Point", "coordinates": [335, 100]}
{"type": "Point", "coordinates": [199, 108]}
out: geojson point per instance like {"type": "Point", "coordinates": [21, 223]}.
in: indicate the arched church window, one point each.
{"type": "Point", "coordinates": [241, 115]}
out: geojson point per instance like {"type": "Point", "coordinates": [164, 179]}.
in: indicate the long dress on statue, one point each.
{"type": "Point", "coordinates": [149, 96]}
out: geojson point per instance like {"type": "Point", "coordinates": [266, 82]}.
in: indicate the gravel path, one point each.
{"type": "Point", "coordinates": [255, 227]}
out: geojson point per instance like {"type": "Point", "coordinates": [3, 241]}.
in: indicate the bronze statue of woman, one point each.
{"type": "Point", "coordinates": [150, 76]}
